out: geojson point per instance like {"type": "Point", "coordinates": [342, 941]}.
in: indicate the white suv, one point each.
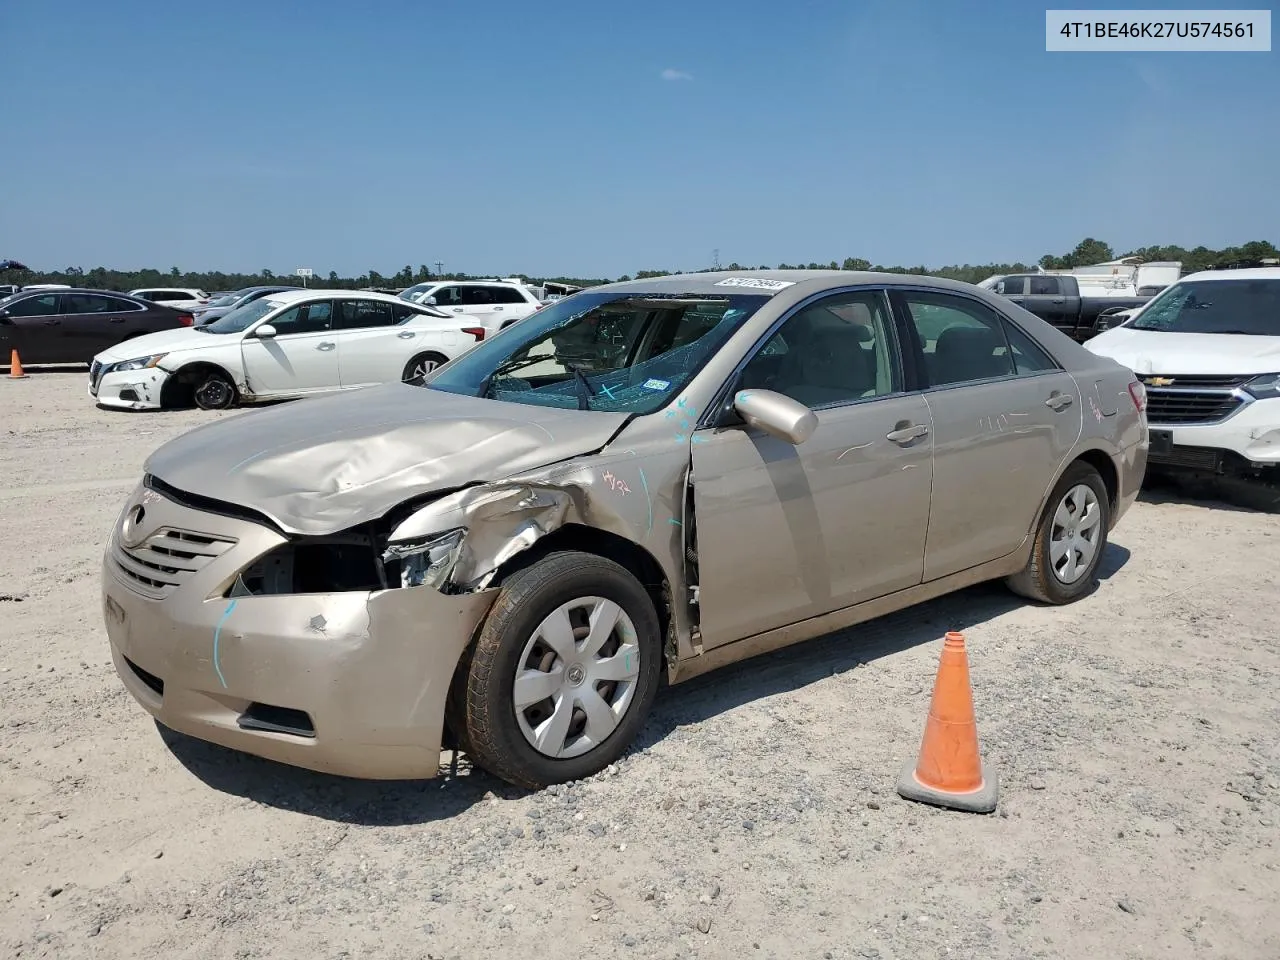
{"type": "Point", "coordinates": [183, 298]}
{"type": "Point", "coordinates": [495, 304]}
{"type": "Point", "coordinates": [1208, 350]}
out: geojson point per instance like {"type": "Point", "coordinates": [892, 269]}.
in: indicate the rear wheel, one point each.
{"type": "Point", "coordinates": [213, 390]}
{"type": "Point", "coordinates": [1070, 539]}
{"type": "Point", "coordinates": [563, 673]}
{"type": "Point", "coordinates": [421, 365]}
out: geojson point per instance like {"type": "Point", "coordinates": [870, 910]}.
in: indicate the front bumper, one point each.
{"type": "Point", "coordinates": [129, 389]}
{"type": "Point", "coordinates": [1252, 433]}
{"type": "Point", "coordinates": [349, 683]}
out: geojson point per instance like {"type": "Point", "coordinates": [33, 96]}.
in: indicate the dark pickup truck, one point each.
{"type": "Point", "coordinates": [1055, 298]}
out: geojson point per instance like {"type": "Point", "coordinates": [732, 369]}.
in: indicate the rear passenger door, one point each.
{"type": "Point", "coordinates": [92, 322]}
{"type": "Point", "coordinates": [374, 345]}
{"type": "Point", "coordinates": [1005, 417]}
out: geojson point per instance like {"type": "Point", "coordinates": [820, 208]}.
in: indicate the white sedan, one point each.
{"type": "Point", "coordinates": [291, 344]}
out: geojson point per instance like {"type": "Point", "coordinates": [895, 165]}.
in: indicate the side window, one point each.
{"type": "Point", "coordinates": [1011, 286]}
{"type": "Point", "coordinates": [117, 305]}
{"type": "Point", "coordinates": [447, 297]}
{"type": "Point", "coordinates": [507, 295]}
{"type": "Point", "coordinates": [1028, 356]}
{"type": "Point", "coordinates": [305, 318]}
{"type": "Point", "coordinates": [469, 296]}
{"type": "Point", "coordinates": [400, 313]}
{"type": "Point", "coordinates": [174, 295]}
{"type": "Point", "coordinates": [963, 340]}
{"type": "Point", "coordinates": [833, 351]}
{"type": "Point", "coordinates": [86, 303]}
{"type": "Point", "coordinates": [1044, 286]}
{"type": "Point", "coordinates": [353, 314]}
{"type": "Point", "coordinates": [43, 306]}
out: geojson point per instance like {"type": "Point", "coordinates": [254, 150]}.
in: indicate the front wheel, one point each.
{"type": "Point", "coordinates": [421, 365]}
{"type": "Point", "coordinates": [213, 390]}
{"type": "Point", "coordinates": [1070, 539]}
{"type": "Point", "coordinates": [563, 673]}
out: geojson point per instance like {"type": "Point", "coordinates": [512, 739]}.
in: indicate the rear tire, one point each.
{"type": "Point", "coordinates": [421, 365]}
{"type": "Point", "coordinates": [213, 390]}
{"type": "Point", "coordinates": [581, 636]}
{"type": "Point", "coordinates": [1070, 540]}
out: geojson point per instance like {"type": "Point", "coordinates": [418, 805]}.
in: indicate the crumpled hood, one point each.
{"type": "Point", "coordinates": [321, 465]}
{"type": "Point", "coordinates": [1152, 351]}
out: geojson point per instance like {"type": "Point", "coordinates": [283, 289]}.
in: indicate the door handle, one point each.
{"type": "Point", "coordinates": [1058, 401]}
{"type": "Point", "coordinates": [405, 334]}
{"type": "Point", "coordinates": [116, 320]}
{"type": "Point", "coordinates": [53, 323]}
{"type": "Point", "coordinates": [326, 345]}
{"type": "Point", "coordinates": [457, 309]}
{"type": "Point", "coordinates": [905, 432]}
{"type": "Point", "coordinates": [1058, 300]}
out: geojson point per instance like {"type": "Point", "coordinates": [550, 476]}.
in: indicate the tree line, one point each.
{"type": "Point", "coordinates": [1086, 252]}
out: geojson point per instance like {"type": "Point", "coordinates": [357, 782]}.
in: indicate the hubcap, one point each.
{"type": "Point", "coordinates": [576, 677]}
{"type": "Point", "coordinates": [422, 368]}
{"type": "Point", "coordinates": [1077, 530]}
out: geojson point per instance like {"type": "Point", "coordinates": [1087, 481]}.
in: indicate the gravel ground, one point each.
{"type": "Point", "coordinates": [1134, 735]}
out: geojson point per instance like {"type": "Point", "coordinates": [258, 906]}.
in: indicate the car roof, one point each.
{"type": "Point", "coordinates": [1247, 273]}
{"type": "Point", "coordinates": [316, 293]}
{"type": "Point", "coordinates": [108, 293]}
{"type": "Point", "coordinates": [723, 283]}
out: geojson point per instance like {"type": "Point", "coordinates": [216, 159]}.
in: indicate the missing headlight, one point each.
{"type": "Point", "coordinates": [336, 564]}
{"type": "Point", "coordinates": [426, 562]}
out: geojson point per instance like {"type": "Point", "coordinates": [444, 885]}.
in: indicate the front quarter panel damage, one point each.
{"type": "Point", "coordinates": [459, 542]}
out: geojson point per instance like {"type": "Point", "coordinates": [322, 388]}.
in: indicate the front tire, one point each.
{"type": "Point", "coordinates": [563, 673]}
{"type": "Point", "coordinates": [213, 390]}
{"type": "Point", "coordinates": [1070, 540]}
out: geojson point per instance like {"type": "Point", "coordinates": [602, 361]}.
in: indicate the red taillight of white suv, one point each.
{"type": "Point", "coordinates": [1139, 394]}
{"type": "Point", "coordinates": [477, 332]}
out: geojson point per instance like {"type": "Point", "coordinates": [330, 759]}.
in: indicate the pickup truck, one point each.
{"type": "Point", "coordinates": [1056, 299]}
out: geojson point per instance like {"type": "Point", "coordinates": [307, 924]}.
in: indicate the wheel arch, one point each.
{"type": "Point", "coordinates": [1100, 460]}
{"type": "Point", "coordinates": [180, 384]}
{"type": "Point", "coordinates": [628, 554]}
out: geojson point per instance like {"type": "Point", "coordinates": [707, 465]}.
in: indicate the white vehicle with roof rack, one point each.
{"type": "Point", "coordinates": [495, 303]}
{"type": "Point", "coordinates": [1208, 351]}
{"type": "Point", "coordinates": [283, 345]}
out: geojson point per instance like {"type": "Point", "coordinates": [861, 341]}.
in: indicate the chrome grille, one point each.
{"type": "Point", "coordinates": [166, 559]}
{"type": "Point", "coordinates": [1187, 399]}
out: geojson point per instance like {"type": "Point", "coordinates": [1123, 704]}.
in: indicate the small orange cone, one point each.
{"type": "Point", "coordinates": [15, 365]}
{"type": "Point", "coordinates": [949, 771]}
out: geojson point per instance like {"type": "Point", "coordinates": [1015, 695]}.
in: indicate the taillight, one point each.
{"type": "Point", "coordinates": [477, 332]}
{"type": "Point", "coordinates": [186, 320]}
{"type": "Point", "coordinates": [1139, 394]}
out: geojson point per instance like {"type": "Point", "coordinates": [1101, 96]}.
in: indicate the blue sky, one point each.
{"type": "Point", "coordinates": [594, 139]}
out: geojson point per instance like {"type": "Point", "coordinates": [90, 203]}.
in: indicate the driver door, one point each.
{"type": "Point", "coordinates": [788, 532]}
{"type": "Point", "coordinates": [301, 358]}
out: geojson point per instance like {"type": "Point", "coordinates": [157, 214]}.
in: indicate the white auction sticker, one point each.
{"type": "Point", "coordinates": [759, 283]}
{"type": "Point", "coordinates": [1168, 31]}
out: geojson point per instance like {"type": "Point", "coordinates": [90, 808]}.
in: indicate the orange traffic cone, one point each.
{"type": "Point", "coordinates": [949, 772]}
{"type": "Point", "coordinates": [15, 366]}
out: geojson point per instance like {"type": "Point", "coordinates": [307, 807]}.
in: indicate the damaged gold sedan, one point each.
{"type": "Point", "coordinates": [649, 478]}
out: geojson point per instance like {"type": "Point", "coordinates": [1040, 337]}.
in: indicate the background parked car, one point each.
{"type": "Point", "coordinates": [495, 303]}
{"type": "Point", "coordinates": [1060, 300]}
{"type": "Point", "coordinates": [184, 298]}
{"type": "Point", "coordinates": [70, 326]}
{"type": "Point", "coordinates": [221, 306]}
{"type": "Point", "coordinates": [279, 346]}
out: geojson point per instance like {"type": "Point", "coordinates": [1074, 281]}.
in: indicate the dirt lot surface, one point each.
{"type": "Point", "coordinates": [1134, 734]}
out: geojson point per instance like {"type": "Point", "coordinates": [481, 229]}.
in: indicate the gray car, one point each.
{"type": "Point", "coordinates": [659, 476]}
{"type": "Point", "coordinates": [221, 306]}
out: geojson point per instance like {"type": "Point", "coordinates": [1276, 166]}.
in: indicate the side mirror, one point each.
{"type": "Point", "coordinates": [776, 415]}
{"type": "Point", "coordinates": [265, 332]}
{"type": "Point", "coordinates": [430, 301]}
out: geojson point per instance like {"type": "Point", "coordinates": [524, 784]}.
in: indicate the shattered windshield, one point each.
{"type": "Point", "coordinates": [617, 352]}
{"type": "Point", "coordinates": [1214, 306]}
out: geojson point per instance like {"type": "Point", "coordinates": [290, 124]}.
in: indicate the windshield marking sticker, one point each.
{"type": "Point", "coordinates": [655, 384]}
{"type": "Point", "coordinates": [758, 283]}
